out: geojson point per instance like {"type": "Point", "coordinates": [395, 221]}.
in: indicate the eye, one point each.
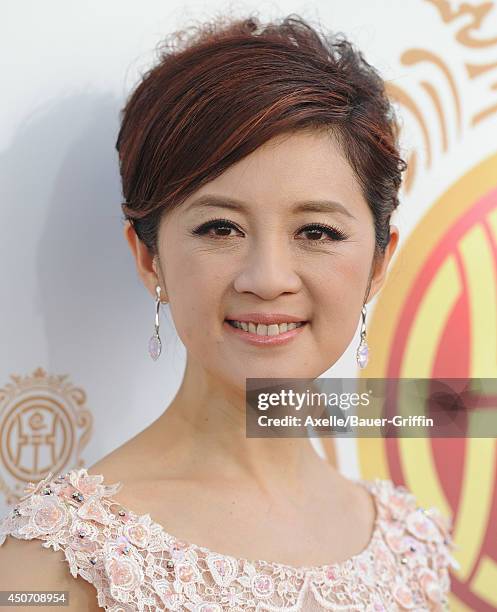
{"type": "Point", "coordinates": [222, 224]}
{"type": "Point", "coordinates": [318, 229]}
{"type": "Point", "coordinates": [314, 229]}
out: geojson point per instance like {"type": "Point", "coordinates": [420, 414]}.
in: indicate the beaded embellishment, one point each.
{"type": "Point", "coordinates": [135, 564]}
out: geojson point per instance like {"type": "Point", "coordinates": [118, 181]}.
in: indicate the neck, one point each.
{"type": "Point", "coordinates": [203, 431]}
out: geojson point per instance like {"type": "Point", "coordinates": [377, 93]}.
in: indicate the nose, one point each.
{"type": "Point", "coordinates": [268, 269]}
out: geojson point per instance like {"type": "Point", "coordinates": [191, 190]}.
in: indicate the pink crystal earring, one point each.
{"type": "Point", "coordinates": [362, 354]}
{"type": "Point", "coordinates": [154, 344]}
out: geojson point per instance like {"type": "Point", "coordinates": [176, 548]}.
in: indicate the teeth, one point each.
{"type": "Point", "coordinates": [265, 330]}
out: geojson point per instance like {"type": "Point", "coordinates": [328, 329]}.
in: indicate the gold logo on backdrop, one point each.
{"type": "Point", "coordinates": [441, 95]}
{"type": "Point", "coordinates": [44, 426]}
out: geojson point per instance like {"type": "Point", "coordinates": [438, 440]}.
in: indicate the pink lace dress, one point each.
{"type": "Point", "coordinates": [134, 564]}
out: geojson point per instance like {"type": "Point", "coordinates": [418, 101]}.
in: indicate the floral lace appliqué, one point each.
{"type": "Point", "coordinates": [134, 564]}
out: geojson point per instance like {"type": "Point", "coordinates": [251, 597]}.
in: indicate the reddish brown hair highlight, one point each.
{"type": "Point", "coordinates": [221, 90]}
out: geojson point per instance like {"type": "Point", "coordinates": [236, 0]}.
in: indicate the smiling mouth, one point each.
{"type": "Point", "coordinates": [261, 329]}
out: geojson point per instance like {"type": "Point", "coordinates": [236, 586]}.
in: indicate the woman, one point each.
{"type": "Point", "coordinates": [260, 170]}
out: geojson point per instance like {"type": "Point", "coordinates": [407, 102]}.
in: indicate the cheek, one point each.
{"type": "Point", "coordinates": [338, 297]}
{"type": "Point", "coordinates": [343, 275]}
{"type": "Point", "coordinates": [196, 293]}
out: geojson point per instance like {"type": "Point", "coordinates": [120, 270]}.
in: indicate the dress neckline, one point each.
{"type": "Point", "coordinates": [275, 565]}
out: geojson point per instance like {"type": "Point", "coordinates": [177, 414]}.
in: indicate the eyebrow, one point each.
{"type": "Point", "coordinates": [215, 201]}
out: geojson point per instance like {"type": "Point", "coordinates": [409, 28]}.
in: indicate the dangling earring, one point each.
{"type": "Point", "coordinates": [362, 354]}
{"type": "Point", "coordinates": [154, 344]}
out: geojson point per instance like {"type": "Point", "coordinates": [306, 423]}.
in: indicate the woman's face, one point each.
{"type": "Point", "coordinates": [264, 256]}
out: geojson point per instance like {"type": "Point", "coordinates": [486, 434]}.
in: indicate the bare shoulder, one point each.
{"type": "Point", "coordinates": [121, 465]}
{"type": "Point", "coordinates": [130, 462]}
{"type": "Point", "coordinates": [133, 465]}
{"type": "Point", "coordinates": [124, 465]}
{"type": "Point", "coordinates": [25, 565]}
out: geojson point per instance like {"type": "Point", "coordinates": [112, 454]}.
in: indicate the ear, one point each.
{"type": "Point", "coordinates": [146, 263]}
{"type": "Point", "coordinates": [381, 264]}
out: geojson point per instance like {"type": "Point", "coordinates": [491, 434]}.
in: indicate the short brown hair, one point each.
{"type": "Point", "coordinates": [222, 89]}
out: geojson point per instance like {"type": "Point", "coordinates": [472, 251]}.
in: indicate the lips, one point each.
{"type": "Point", "coordinates": [266, 318]}
{"type": "Point", "coordinates": [264, 339]}
{"type": "Point", "coordinates": [255, 326]}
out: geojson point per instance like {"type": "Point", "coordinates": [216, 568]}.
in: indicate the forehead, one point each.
{"type": "Point", "coordinates": [290, 168]}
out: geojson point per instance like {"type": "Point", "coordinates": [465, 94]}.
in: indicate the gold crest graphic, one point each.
{"type": "Point", "coordinates": [44, 426]}
{"type": "Point", "coordinates": [454, 115]}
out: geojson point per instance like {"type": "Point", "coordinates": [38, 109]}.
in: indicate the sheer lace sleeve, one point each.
{"type": "Point", "coordinates": [70, 513]}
